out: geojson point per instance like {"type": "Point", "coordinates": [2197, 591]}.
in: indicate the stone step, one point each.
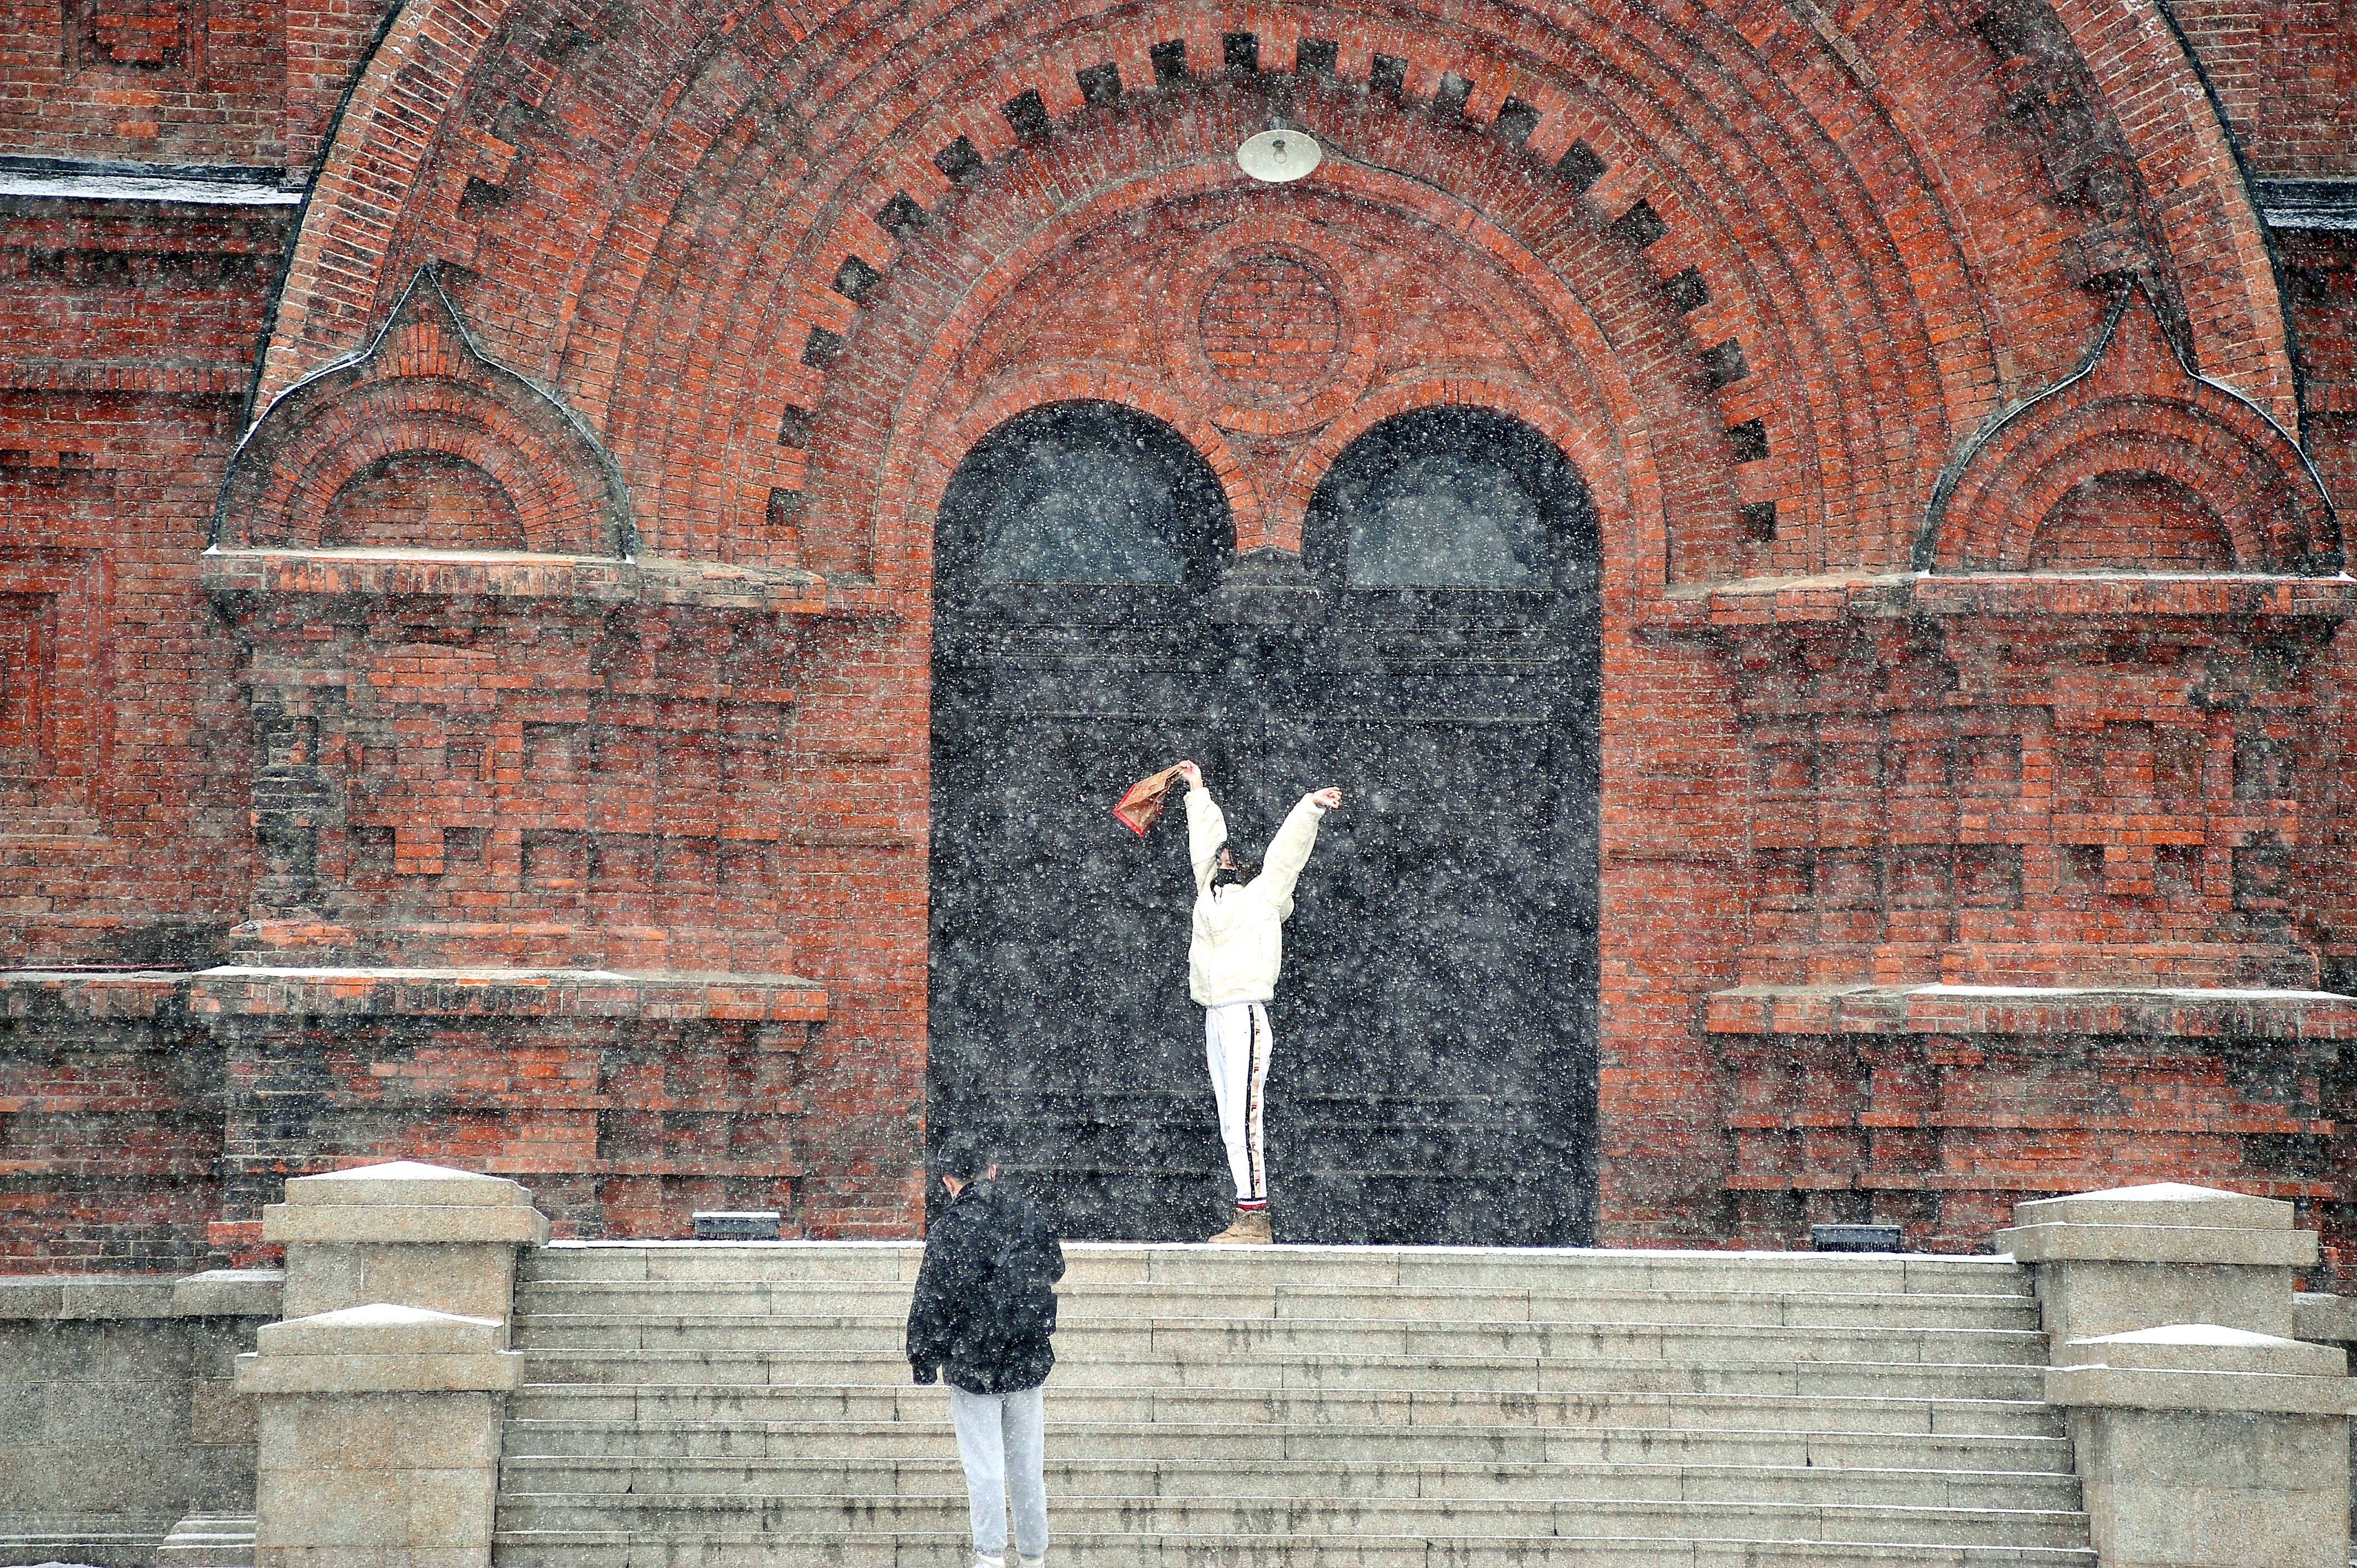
{"type": "Point", "coordinates": [921, 1439]}
{"type": "Point", "coordinates": [1567, 1271]}
{"type": "Point", "coordinates": [1308, 1410]}
{"type": "Point", "coordinates": [77, 1539]}
{"type": "Point", "coordinates": [675, 1513]}
{"type": "Point", "coordinates": [1135, 1340]}
{"type": "Point", "coordinates": [620, 1549]}
{"type": "Point", "coordinates": [1496, 1303]}
{"type": "Point", "coordinates": [731, 1403]}
{"type": "Point", "coordinates": [1168, 1477]}
{"type": "Point", "coordinates": [200, 1542]}
{"type": "Point", "coordinates": [1268, 1369]}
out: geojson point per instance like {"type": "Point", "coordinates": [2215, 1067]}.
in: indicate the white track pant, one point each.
{"type": "Point", "coordinates": [999, 1442]}
{"type": "Point", "coordinates": [1235, 1047]}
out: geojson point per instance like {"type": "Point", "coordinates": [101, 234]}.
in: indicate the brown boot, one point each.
{"type": "Point", "coordinates": [1251, 1229]}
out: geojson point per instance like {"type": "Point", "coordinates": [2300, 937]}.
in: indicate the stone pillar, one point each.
{"type": "Point", "coordinates": [2332, 1320]}
{"type": "Point", "coordinates": [2204, 1447]}
{"type": "Point", "coordinates": [415, 1234]}
{"type": "Point", "coordinates": [2205, 1436]}
{"type": "Point", "coordinates": [380, 1396]}
{"type": "Point", "coordinates": [380, 1437]}
{"type": "Point", "coordinates": [2138, 1257]}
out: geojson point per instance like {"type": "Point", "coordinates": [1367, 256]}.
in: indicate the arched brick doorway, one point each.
{"type": "Point", "coordinates": [1436, 654]}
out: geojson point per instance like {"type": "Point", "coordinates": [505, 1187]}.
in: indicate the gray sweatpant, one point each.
{"type": "Point", "coordinates": [1001, 1443]}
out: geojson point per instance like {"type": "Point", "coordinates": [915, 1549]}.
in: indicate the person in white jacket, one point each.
{"type": "Point", "coordinates": [1232, 968]}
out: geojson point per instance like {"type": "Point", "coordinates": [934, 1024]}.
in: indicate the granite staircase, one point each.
{"type": "Point", "coordinates": [748, 1403]}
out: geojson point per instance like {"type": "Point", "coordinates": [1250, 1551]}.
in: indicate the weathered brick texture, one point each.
{"type": "Point", "coordinates": [546, 736]}
{"type": "Point", "coordinates": [2287, 77]}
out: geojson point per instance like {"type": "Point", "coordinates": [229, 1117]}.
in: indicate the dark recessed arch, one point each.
{"type": "Point", "coordinates": [1453, 499]}
{"type": "Point", "coordinates": [1434, 1079]}
{"type": "Point", "coordinates": [1082, 495]}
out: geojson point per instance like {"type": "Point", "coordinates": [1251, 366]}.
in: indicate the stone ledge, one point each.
{"type": "Point", "coordinates": [88, 993]}
{"type": "Point", "coordinates": [2157, 1244]}
{"type": "Point", "coordinates": [239, 990]}
{"type": "Point", "coordinates": [2210, 1348]}
{"type": "Point", "coordinates": [2147, 1012]}
{"type": "Point", "coordinates": [91, 1298]}
{"type": "Point", "coordinates": [230, 1292]}
{"type": "Point", "coordinates": [2161, 1203]}
{"type": "Point", "coordinates": [496, 1372]}
{"type": "Point", "coordinates": [380, 1348]}
{"type": "Point", "coordinates": [406, 1184]}
{"type": "Point", "coordinates": [2005, 1183]}
{"type": "Point", "coordinates": [2275, 1393]}
{"type": "Point", "coordinates": [488, 574]}
{"type": "Point", "coordinates": [2325, 1319]}
{"type": "Point", "coordinates": [383, 1328]}
{"type": "Point", "coordinates": [2325, 204]}
{"type": "Point", "coordinates": [235, 991]}
{"type": "Point", "coordinates": [2202, 1367]}
{"type": "Point", "coordinates": [86, 1298]}
{"type": "Point", "coordinates": [403, 1202]}
{"type": "Point", "coordinates": [373, 1225]}
{"type": "Point", "coordinates": [1797, 601]}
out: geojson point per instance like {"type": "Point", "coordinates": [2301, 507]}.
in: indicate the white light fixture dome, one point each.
{"type": "Point", "coordinates": [1273, 157]}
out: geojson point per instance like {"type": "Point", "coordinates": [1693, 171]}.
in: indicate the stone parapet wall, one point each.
{"type": "Point", "coordinates": [121, 1417]}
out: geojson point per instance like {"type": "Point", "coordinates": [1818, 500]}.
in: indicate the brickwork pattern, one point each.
{"type": "Point", "coordinates": [2283, 72]}
{"type": "Point", "coordinates": [1270, 321]}
{"type": "Point", "coordinates": [701, 305]}
{"type": "Point", "coordinates": [175, 81]}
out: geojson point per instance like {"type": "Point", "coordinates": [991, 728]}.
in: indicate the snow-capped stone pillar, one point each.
{"type": "Point", "coordinates": [415, 1234]}
{"type": "Point", "coordinates": [2204, 1435]}
{"type": "Point", "coordinates": [2138, 1257]}
{"type": "Point", "coordinates": [380, 1395]}
{"type": "Point", "coordinates": [380, 1437]}
{"type": "Point", "coordinates": [2204, 1447]}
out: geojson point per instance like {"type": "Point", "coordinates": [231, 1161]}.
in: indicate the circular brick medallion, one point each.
{"type": "Point", "coordinates": [1271, 328]}
{"type": "Point", "coordinates": [1267, 336]}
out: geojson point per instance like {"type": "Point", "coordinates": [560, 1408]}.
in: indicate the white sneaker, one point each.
{"type": "Point", "coordinates": [1039, 1561]}
{"type": "Point", "coordinates": [981, 1562]}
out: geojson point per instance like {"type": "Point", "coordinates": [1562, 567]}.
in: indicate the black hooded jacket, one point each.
{"type": "Point", "coordinates": [984, 1310]}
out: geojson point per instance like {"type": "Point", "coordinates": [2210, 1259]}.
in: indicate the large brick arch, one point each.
{"type": "Point", "coordinates": [1514, 326]}
{"type": "Point", "coordinates": [654, 217]}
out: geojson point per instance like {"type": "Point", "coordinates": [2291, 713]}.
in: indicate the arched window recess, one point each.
{"type": "Point", "coordinates": [1452, 505]}
{"type": "Point", "coordinates": [1076, 503]}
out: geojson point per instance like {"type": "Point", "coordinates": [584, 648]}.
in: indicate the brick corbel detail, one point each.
{"type": "Point", "coordinates": [2033, 779]}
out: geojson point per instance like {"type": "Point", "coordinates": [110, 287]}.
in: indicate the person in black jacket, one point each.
{"type": "Point", "coordinates": [983, 1314]}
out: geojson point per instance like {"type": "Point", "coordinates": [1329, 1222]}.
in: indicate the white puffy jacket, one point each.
{"type": "Point", "coordinates": [1239, 940]}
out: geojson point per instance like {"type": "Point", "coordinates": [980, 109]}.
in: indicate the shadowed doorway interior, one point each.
{"type": "Point", "coordinates": [1434, 1074]}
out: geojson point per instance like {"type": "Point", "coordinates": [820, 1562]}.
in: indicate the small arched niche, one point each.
{"type": "Point", "coordinates": [432, 500]}
{"type": "Point", "coordinates": [1452, 498]}
{"type": "Point", "coordinates": [1086, 495]}
{"type": "Point", "coordinates": [2133, 521]}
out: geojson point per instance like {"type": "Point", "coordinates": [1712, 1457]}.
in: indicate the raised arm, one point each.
{"type": "Point", "coordinates": [1289, 851]}
{"type": "Point", "coordinates": [1207, 830]}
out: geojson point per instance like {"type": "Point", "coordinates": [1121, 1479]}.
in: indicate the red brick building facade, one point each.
{"type": "Point", "coordinates": [466, 598]}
